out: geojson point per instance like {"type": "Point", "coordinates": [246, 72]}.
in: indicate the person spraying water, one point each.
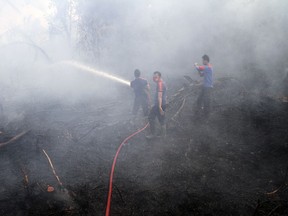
{"type": "Point", "coordinates": [142, 93]}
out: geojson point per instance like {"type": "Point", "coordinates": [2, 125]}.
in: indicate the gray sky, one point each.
{"type": "Point", "coordinates": [165, 35]}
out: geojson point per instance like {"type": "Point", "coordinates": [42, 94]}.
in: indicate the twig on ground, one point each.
{"type": "Point", "coordinates": [15, 138]}
{"type": "Point", "coordinates": [257, 207]}
{"type": "Point", "coordinates": [52, 167]}
{"type": "Point", "coordinates": [179, 110]}
{"type": "Point", "coordinates": [283, 185]}
{"type": "Point", "coordinates": [25, 177]}
{"type": "Point", "coordinates": [178, 123]}
{"type": "Point", "coordinates": [93, 128]}
{"type": "Point", "coordinates": [273, 210]}
{"type": "Point", "coordinates": [119, 193]}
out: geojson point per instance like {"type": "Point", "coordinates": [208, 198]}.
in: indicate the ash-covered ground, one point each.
{"type": "Point", "coordinates": [233, 163]}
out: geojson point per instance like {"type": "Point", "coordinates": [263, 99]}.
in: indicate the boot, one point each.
{"type": "Point", "coordinates": [152, 130]}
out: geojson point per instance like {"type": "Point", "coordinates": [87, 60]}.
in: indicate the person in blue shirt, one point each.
{"type": "Point", "coordinates": [204, 98]}
{"type": "Point", "coordinates": [158, 110]}
{"type": "Point", "coordinates": [142, 94]}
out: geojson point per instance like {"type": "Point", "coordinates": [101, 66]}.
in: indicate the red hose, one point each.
{"type": "Point", "coordinates": [108, 206]}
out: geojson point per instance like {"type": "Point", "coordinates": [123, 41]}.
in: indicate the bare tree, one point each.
{"type": "Point", "coordinates": [61, 22]}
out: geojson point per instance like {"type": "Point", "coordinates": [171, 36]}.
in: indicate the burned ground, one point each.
{"type": "Point", "coordinates": [224, 165]}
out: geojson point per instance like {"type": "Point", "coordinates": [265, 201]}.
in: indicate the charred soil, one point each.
{"type": "Point", "coordinates": [232, 163]}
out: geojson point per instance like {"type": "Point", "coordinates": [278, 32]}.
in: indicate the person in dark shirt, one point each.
{"type": "Point", "coordinates": [204, 97]}
{"type": "Point", "coordinates": [158, 110]}
{"type": "Point", "coordinates": [141, 91]}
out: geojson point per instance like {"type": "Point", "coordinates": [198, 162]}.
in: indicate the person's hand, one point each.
{"type": "Point", "coordinates": [161, 111]}
{"type": "Point", "coordinates": [196, 64]}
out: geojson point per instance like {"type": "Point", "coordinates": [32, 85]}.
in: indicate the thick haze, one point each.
{"type": "Point", "coordinates": [244, 38]}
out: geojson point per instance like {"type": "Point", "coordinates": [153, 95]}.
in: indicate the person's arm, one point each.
{"type": "Point", "coordinates": [200, 69]}
{"type": "Point", "coordinates": [160, 102]}
{"type": "Point", "coordinates": [147, 88]}
{"type": "Point", "coordinates": [160, 95]}
{"type": "Point", "coordinates": [147, 92]}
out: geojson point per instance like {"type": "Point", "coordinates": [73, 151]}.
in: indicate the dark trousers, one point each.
{"type": "Point", "coordinates": [143, 102]}
{"type": "Point", "coordinates": [155, 113]}
{"type": "Point", "coordinates": [204, 100]}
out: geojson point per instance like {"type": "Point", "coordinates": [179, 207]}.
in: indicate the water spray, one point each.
{"type": "Point", "coordinates": [96, 72]}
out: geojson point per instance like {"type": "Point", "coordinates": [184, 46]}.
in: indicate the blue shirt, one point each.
{"type": "Point", "coordinates": [139, 85]}
{"type": "Point", "coordinates": [207, 72]}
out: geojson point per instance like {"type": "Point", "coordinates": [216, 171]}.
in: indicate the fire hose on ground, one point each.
{"type": "Point", "coordinates": [108, 205]}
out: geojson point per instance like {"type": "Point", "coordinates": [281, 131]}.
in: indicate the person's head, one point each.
{"type": "Point", "coordinates": [137, 73]}
{"type": "Point", "coordinates": [156, 76]}
{"type": "Point", "coordinates": [205, 59]}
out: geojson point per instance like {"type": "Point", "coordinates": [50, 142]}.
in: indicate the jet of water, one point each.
{"type": "Point", "coordinates": [96, 72]}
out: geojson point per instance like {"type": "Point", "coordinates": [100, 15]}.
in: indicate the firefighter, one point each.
{"type": "Point", "coordinates": [158, 110]}
{"type": "Point", "coordinates": [204, 98]}
{"type": "Point", "coordinates": [142, 95]}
